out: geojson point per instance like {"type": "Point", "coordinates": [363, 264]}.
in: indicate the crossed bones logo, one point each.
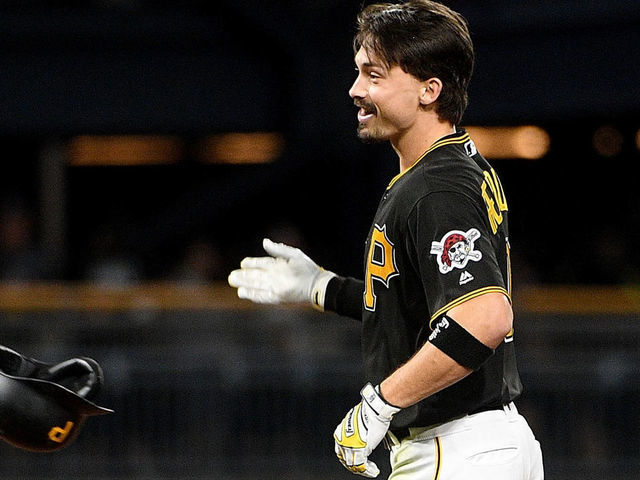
{"type": "Point", "coordinates": [456, 249]}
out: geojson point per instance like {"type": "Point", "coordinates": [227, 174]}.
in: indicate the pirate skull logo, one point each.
{"type": "Point", "coordinates": [456, 249]}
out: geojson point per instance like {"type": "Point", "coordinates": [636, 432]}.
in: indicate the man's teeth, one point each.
{"type": "Point", "coordinates": [363, 114]}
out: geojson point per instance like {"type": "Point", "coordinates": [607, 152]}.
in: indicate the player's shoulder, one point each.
{"type": "Point", "coordinates": [452, 164]}
{"type": "Point", "coordinates": [451, 155]}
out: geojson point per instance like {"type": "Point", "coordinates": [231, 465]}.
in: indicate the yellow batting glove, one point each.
{"type": "Point", "coordinates": [361, 430]}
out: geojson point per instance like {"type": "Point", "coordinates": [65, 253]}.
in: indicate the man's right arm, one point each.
{"type": "Point", "coordinates": [287, 275]}
{"type": "Point", "coordinates": [344, 297]}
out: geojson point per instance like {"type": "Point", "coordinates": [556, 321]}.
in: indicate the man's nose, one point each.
{"type": "Point", "coordinates": [356, 90]}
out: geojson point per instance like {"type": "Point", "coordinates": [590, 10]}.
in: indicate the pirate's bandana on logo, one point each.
{"type": "Point", "coordinates": [456, 249]}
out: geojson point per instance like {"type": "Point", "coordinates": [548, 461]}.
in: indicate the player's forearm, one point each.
{"type": "Point", "coordinates": [474, 329]}
{"type": "Point", "coordinates": [344, 297]}
{"type": "Point", "coordinates": [426, 373]}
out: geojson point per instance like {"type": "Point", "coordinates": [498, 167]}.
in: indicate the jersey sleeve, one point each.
{"type": "Point", "coordinates": [456, 250]}
{"type": "Point", "coordinates": [344, 297]}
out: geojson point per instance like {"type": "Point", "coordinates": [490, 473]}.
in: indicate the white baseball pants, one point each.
{"type": "Point", "coordinates": [492, 445]}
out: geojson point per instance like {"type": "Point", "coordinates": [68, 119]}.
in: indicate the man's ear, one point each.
{"type": "Point", "coordinates": [430, 91]}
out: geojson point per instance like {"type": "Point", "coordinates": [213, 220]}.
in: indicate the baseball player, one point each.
{"type": "Point", "coordinates": [435, 302]}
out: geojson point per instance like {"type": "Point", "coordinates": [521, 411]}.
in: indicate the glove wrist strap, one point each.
{"type": "Point", "coordinates": [319, 288]}
{"type": "Point", "coordinates": [377, 403]}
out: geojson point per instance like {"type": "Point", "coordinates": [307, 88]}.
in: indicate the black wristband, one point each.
{"type": "Point", "coordinates": [452, 339]}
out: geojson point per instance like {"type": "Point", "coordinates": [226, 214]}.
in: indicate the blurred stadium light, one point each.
{"type": "Point", "coordinates": [527, 142]}
{"type": "Point", "coordinates": [608, 141]}
{"type": "Point", "coordinates": [120, 150]}
{"type": "Point", "coordinates": [239, 148]}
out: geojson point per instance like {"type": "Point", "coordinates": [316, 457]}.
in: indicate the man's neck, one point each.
{"type": "Point", "coordinates": [411, 145]}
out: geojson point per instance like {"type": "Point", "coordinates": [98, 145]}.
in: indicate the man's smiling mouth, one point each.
{"type": "Point", "coordinates": [366, 111]}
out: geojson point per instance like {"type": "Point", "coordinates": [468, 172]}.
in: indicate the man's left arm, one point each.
{"type": "Point", "coordinates": [472, 330]}
{"type": "Point", "coordinates": [486, 319]}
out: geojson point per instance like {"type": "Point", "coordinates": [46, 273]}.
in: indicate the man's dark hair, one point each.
{"type": "Point", "coordinates": [425, 39]}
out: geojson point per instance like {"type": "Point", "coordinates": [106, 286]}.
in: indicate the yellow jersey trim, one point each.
{"type": "Point", "coordinates": [468, 296]}
{"type": "Point", "coordinates": [440, 143]}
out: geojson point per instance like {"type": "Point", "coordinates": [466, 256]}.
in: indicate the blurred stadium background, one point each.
{"type": "Point", "coordinates": [149, 145]}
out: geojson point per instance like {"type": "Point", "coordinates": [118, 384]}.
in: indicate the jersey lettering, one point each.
{"type": "Point", "coordinates": [496, 202]}
{"type": "Point", "coordinates": [381, 265]}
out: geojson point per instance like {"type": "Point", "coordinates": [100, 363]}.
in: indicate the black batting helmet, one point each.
{"type": "Point", "coordinates": [43, 406]}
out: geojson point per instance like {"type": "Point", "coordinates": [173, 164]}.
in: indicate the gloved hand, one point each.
{"type": "Point", "coordinates": [363, 428]}
{"type": "Point", "coordinates": [287, 275]}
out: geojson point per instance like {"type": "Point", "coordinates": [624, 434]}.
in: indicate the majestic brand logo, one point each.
{"type": "Point", "coordinates": [456, 249]}
{"type": "Point", "coordinates": [465, 277]}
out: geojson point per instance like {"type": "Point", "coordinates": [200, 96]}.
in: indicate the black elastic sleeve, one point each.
{"type": "Point", "coordinates": [451, 338]}
{"type": "Point", "coordinates": [344, 297]}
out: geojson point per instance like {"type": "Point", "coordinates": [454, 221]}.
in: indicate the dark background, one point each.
{"type": "Point", "coordinates": [195, 68]}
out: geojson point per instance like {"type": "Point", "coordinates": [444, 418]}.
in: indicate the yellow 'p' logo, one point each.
{"type": "Point", "coordinates": [381, 264]}
{"type": "Point", "coordinates": [58, 434]}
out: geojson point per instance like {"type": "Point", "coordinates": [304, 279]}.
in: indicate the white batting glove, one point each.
{"type": "Point", "coordinates": [362, 430]}
{"type": "Point", "coordinates": [286, 276]}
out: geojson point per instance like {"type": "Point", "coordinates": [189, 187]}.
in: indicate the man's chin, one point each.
{"type": "Point", "coordinates": [369, 136]}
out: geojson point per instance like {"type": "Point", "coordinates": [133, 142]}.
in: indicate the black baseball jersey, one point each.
{"type": "Point", "coordinates": [439, 238]}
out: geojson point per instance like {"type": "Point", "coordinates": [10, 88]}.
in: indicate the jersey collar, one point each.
{"type": "Point", "coordinates": [461, 136]}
